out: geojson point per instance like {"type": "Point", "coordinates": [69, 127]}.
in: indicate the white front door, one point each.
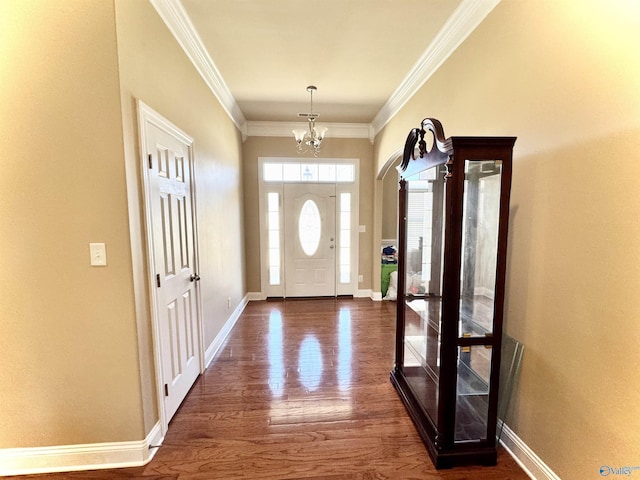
{"type": "Point", "coordinates": [310, 240]}
{"type": "Point", "coordinates": [171, 217]}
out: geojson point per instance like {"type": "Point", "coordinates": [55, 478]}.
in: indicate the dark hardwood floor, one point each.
{"type": "Point", "coordinates": [300, 390]}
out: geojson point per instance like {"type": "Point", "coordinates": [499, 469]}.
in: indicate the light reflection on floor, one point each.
{"type": "Point", "coordinates": [275, 353]}
{"type": "Point", "coordinates": [344, 349]}
{"type": "Point", "coordinates": [310, 365]}
{"type": "Point", "coordinates": [314, 378]}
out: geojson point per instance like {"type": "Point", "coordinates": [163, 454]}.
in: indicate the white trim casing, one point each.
{"type": "Point", "coordinates": [376, 296]}
{"type": "Point", "coordinates": [463, 21]}
{"type": "Point", "coordinates": [360, 293]}
{"type": "Point", "coordinates": [179, 24]}
{"type": "Point", "coordinates": [264, 188]}
{"type": "Point", "coordinates": [531, 463]}
{"type": "Point", "coordinates": [148, 115]}
{"type": "Point", "coordinates": [224, 332]}
{"type": "Point", "coordinates": [68, 458]}
{"type": "Point", "coordinates": [363, 293]}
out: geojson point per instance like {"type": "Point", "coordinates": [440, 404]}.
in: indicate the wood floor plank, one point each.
{"type": "Point", "coordinates": [299, 390]}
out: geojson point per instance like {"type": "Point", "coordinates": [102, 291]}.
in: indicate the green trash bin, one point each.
{"type": "Point", "coordinates": [386, 269]}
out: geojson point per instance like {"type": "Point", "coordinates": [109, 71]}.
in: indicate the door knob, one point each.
{"type": "Point", "coordinates": [332, 246]}
{"type": "Point", "coordinates": [194, 277]}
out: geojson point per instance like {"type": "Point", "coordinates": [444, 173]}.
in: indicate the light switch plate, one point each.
{"type": "Point", "coordinates": [98, 253]}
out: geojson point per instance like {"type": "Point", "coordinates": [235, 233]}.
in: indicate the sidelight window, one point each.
{"type": "Point", "coordinates": [273, 227]}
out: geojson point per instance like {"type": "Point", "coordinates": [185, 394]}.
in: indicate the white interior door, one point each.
{"type": "Point", "coordinates": [171, 219]}
{"type": "Point", "coordinates": [310, 240]}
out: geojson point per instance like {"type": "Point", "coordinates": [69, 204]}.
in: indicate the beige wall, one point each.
{"type": "Point", "coordinates": [390, 203]}
{"type": "Point", "coordinates": [69, 355]}
{"type": "Point", "coordinates": [159, 73]}
{"type": "Point", "coordinates": [76, 342]}
{"type": "Point", "coordinates": [563, 76]}
{"type": "Point", "coordinates": [255, 147]}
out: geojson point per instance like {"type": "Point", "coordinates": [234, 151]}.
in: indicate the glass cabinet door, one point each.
{"type": "Point", "coordinates": [423, 286]}
{"type": "Point", "coordinates": [472, 390]}
{"type": "Point", "coordinates": [480, 221]}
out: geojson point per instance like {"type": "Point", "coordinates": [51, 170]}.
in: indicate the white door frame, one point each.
{"type": "Point", "coordinates": [264, 188]}
{"type": "Point", "coordinates": [147, 115]}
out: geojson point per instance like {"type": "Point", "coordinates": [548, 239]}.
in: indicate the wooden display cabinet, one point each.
{"type": "Point", "coordinates": [452, 244]}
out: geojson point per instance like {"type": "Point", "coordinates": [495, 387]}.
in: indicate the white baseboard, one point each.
{"type": "Point", "coordinates": [525, 457]}
{"type": "Point", "coordinates": [364, 293]}
{"type": "Point", "coordinates": [68, 458]}
{"type": "Point", "coordinates": [212, 349]}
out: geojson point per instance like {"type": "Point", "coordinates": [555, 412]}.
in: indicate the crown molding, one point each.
{"type": "Point", "coordinates": [283, 129]}
{"type": "Point", "coordinates": [458, 27]}
{"type": "Point", "coordinates": [179, 24]}
{"type": "Point", "coordinates": [463, 21]}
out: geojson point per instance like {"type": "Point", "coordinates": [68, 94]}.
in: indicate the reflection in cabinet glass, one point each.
{"type": "Point", "coordinates": [452, 239]}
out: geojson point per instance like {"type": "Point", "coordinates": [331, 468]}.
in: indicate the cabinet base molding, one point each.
{"type": "Point", "coordinates": [68, 458]}
{"type": "Point", "coordinates": [441, 458]}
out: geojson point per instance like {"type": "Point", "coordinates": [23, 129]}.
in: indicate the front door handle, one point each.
{"type": "Point", "coordinates": [194, 277]}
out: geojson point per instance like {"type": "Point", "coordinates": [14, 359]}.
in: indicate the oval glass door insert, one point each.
{"type": "Point", "coordinates": [309, 227]}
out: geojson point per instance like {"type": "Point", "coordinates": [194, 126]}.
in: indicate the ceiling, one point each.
{"type": "Point", "coordinates": [366, 57]}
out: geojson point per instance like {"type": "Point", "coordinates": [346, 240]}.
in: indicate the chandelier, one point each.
{"type": "Point", "coordinates": [310, 140]}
